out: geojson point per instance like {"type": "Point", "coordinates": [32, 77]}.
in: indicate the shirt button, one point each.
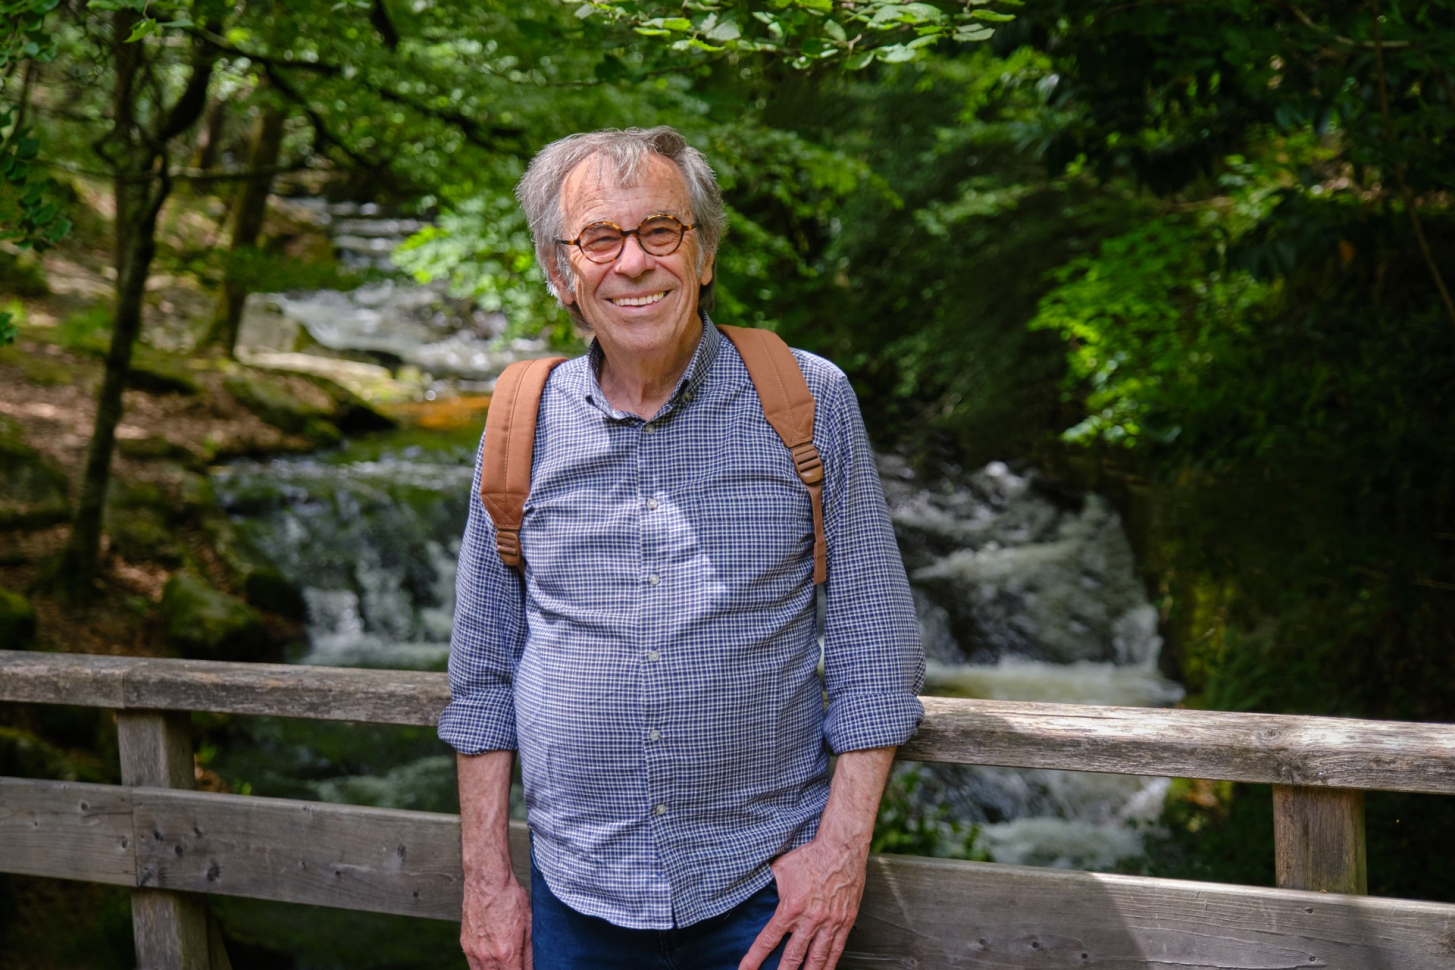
{"type": "Point", "coordinates": [661, 809]}
{"type": "Point", "coordinates": [649, 429]}
{"type": "Point", "coordinates": [651, 503]}
{"type": "Point", "coordinates": [653, 579]}
{"type": "Point", "coordinates": [654, 735]}
{"type": "Point", "coordinates": [653, 655]}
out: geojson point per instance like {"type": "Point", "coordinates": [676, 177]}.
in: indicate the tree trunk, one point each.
{"type": "Point", "coordinates": [138, 202]}
{"type": "Point", "coordinates": [252, 208]}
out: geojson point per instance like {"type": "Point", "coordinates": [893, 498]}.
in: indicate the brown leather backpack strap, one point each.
{"type": "Point", "coordinates": [510, 441]}
{"type": "Point", "coordinates": [788, 406]}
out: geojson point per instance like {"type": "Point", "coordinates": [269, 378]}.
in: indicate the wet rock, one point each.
{"type": "Point", "coordinates": [32, 491]}
{"type": "Point", "coordinates": [352, 414]}
{"type": "Point", "coordinates": [202, 622]}
{"type": "Point", "coordinates": [283, 409]}
{"type": "Point", "coordinates": [17, 621]}
{"type": "Point", "coordinates": [263, 585]}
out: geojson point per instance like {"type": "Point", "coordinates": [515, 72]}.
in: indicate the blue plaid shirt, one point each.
{"type": "Point", "coordinates": [657, 668]}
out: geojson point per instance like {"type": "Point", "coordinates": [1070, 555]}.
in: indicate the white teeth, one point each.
{"type": "Point", "coordinates": [640, 300]}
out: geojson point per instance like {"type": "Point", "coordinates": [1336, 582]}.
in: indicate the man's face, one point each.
{"type": "Point", "coordinates": [639, 303]}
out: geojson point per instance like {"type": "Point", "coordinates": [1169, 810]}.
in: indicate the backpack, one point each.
{"type": "Point", "coordinates": [510, 427]}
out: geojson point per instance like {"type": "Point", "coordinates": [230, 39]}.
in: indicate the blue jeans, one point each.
{"type": "Point", "coordinates": [563, 939]}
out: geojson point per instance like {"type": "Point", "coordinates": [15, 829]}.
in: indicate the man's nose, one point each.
{"type": "Point", "coordinates": [633, 259]}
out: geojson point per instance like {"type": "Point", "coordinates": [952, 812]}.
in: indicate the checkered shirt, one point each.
{"type": "Point", "coordinates": [656, 669]}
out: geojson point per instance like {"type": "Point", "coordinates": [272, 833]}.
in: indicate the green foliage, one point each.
{"type": "Point", "coordinates": [806, 33]}
{"type": "Point", "coordinates": [30, 215]}
{"type": "Point", "coordinates": [907, 828]}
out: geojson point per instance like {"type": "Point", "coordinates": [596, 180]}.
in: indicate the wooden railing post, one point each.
{"type": "Point", "coordinates": [172, 929]}
{"type": "Point", "coordinates": [1318, 839]}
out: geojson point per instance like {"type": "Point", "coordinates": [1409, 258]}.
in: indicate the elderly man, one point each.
{"type": "Point", "coordinates": [656, 662]}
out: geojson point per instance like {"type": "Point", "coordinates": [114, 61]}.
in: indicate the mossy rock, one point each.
{"type": "Point", "coordinates": [17, 621]}
{"type": "Point", "coordinates": [159, 373]}
{"type": "Point", "coordinates": [159, 447]}
{"type": "Point", "coordinates": [269, 590]}
{"type": "Point", "coordinates": [38, 368]}
{"type": "Point", "coordinates": [352, 414]}
{"type": "Point", "coordinates": [142, 535]}
{"type": "Point", "coordinates": [32, 491]}
{"type": "Point", "coordinates": [205, 623]}
{"type": "Point", "coordinates": [279, 406]}
{"type": "Point", "coordinates": [263, 585]}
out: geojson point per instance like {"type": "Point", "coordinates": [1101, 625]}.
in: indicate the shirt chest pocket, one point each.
{"type": "Point", "coordinates": [754, 520]}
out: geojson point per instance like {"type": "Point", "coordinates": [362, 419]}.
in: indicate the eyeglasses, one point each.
{"type": "Point", "coordinates": [602, 242]}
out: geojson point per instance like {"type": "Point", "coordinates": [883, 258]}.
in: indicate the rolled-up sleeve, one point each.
{"type": "Point", "coordinates": [873, 659]}
{"type": "Point", "coordinates": [486, 641]}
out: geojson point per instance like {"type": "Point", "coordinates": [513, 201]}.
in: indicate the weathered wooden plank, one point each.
{"type": "Point", "coordinates": [170, 928]}
{"type": "Point", "coordinates": [68, 830]}
{"type": "Point", "coordinates": [380, 860]}
{"type": "Point", "coordinates": [923, 913]}
{"type": "Point", "coordinates": [156, 748]}
{"type": "Point", "coordinates": [1318, 839]}
{"type": "Point", "coordinates": [290, 690]}
{"type": "Point", "coordinates": [1287, 750]}
{"type": "Point", "coordinates": [62, 678]}
{"type": "Point", "coordinates": [1268, 748]}
{"type": "Point", "coordinates": [931, 913]}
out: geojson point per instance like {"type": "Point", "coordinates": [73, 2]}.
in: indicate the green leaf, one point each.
{"type": "Point", "coordinates": [859, 61]}
{"type": "Point", "coordinates": [895, 54]}
{"type": "Point", "coordinates": [652, 32]}
{"type": "Point", "coordinates": [973, 33]}
{"type": "Point", "coordinates": [826, 6]}
{"type": "Point", "coordinates": [8, 332]}
{"type": "Point", "coordinates": [585, 10]}
{"type": "Point", "coordinates": [142, 29]}
{"type": "Point", "coordinates": [724, 32]}
{"type": "Point", "coordinates": [835, 30]}
{"type": "Point", "coordinates": [992, 16]}
{"type": "Point", "coordinates": [58, 229]}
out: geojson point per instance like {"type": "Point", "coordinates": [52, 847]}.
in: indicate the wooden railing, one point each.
{"type": "Point", "coordinates": [171, 845]}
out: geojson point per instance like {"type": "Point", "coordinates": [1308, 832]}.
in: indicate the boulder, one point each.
{"type": "Point", "coordinates": [141, 521]}
{"type": "Point", "coordinates": [32, 491]}
{"type": "Point", "coordinates": [205, 623]}
{"type": "Point", "coordinates": [283, 409]}
{"type": "Point", "coordinates": [160, 373]}
{"type": "Point", "coordinates": [17, 620]}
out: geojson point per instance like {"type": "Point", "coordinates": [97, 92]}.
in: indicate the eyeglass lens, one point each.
{"type": "Point", "coordinates": [659, 235]}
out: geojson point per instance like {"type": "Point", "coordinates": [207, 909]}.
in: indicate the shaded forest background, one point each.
{"type": "Point", "coordinates": [1195, 255]}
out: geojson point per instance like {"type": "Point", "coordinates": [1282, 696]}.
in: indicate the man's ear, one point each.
{"type": "Point", "coordinates": [565, 292]}
{"type": "Point", "coordinates": [704, 275]}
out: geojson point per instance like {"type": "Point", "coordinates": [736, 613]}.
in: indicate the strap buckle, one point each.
{"type": "Point", "coordinates": [808, 463]}
{"type": "Point", "coordinates": [507, 543]}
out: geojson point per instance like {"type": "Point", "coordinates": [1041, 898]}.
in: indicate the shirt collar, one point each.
{"type": "Point", "coordinates": [687, 385]}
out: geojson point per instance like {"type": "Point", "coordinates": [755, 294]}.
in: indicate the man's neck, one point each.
{"type": "Point", "coordinates": [641, 383]}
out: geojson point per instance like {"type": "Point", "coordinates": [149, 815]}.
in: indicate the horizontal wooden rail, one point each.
{"type": "Point", "coordinates": [1275, 749]}
{"type": "Point", "coordinates": [916, 913]}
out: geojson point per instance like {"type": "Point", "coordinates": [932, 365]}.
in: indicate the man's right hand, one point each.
{"type": "Point", "coordinates": [495, 928]}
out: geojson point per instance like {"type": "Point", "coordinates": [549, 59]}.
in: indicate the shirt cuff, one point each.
{"type": "Point", "coordinates": [481, 722]}
{"type": "Point", "coordinates": [859, 721]}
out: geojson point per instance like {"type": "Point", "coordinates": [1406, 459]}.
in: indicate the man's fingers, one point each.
{"type": "Point", "coordinates": [797, 947]}
{"type": "Point", "coordinates": [763, 945]}
{"type": "Point", "coordinates": [820, 953]}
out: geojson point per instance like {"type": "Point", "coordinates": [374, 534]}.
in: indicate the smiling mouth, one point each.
{"type": "Point", "coordinates": [647, 300]}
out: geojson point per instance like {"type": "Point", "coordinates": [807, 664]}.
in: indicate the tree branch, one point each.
{"type": "Point", "coordinates": [477, 132]}
{"type": "Point", "coordinates": [1404, 187]}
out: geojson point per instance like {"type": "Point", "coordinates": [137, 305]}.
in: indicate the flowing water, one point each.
{"type": "Point", "coordinates": [1024, 592]}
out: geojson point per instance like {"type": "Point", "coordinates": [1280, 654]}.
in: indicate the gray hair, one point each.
{"type": "Point", "coordinates": [540, 188]}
